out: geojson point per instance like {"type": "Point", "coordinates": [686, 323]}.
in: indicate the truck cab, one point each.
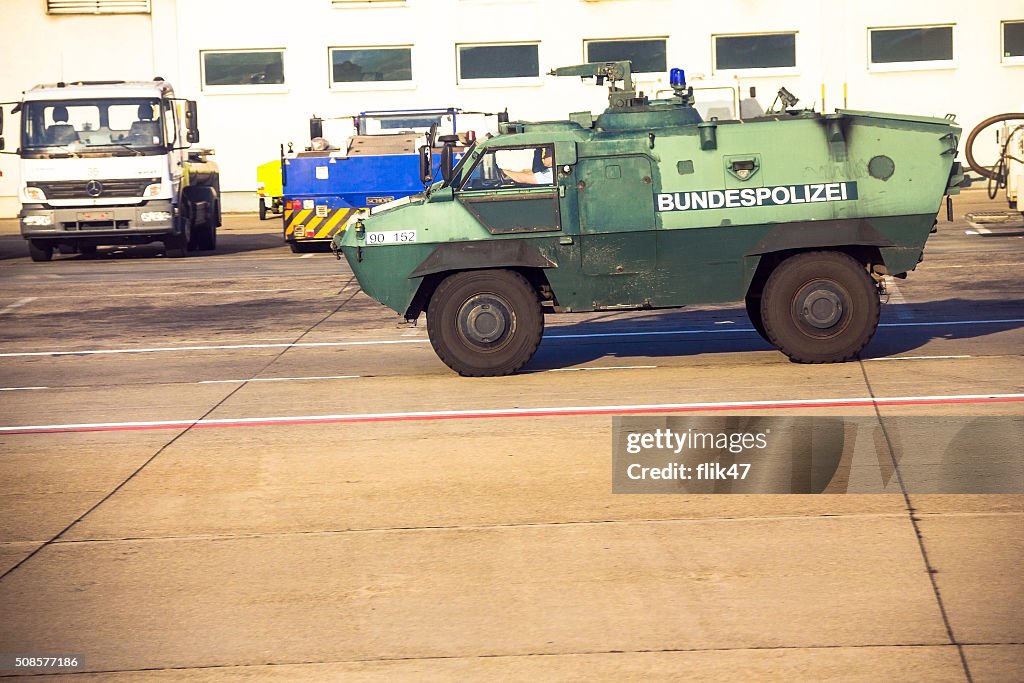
{"type": "Point", "coordinates": [109, 163]}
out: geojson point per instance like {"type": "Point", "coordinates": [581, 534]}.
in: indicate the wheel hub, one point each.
{"type": "Point", "coordinates": [485, 319]}
{"type": "Point", "coordinates": [820, 306]}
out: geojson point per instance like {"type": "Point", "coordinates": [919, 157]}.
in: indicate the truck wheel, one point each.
{"type": "Point", "coordinates": [820, 307]}
{"type": "Point", "coordinates": [204, 237]}
{"type": "Point", "coordinates": [40, 251]}
{"type": "Point", "coordinates": [208, 239]}
{"type": "Point", "coordinates": [176, 247]}
{"type": "Point", "coordinates": [263, 209]}
{"type": "Point", "coordinates": [754, 313]}
{"type": "Point", "coordinates": [485, 323]}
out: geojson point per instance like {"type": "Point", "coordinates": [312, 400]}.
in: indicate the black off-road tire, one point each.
{"type": "Point", "coordinates": [485, 323]}
{"type": "Point", "coordinates": [820, 307]}
{"type": "Point", "coordinates": [754, 313]}
{"type": "Point", "coordinates": [40, 251]}
{"type": "Point", "coordinates": [263, 209]}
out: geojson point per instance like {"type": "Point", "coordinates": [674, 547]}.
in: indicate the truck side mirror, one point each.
{"type": "Point", "coordinates": [1, 119]}
{"type": "Point", "coordinates": [1, 144]}
{"type": "Point", "coordinates": [316, 128]}
{"type": "Point", "coordinates": [426, 164]}
{"type": "Point", "coordinates": [191, 121]}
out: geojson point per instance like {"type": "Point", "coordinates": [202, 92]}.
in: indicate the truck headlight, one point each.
{"type": "Point", "coordinates": [153, 190]}
{"type": "Point", "coordinates": [38, 220]}
{"type": "Point", "coordinates": [34, 194]}
{"type": "Point", "coordinates": [154, 216]}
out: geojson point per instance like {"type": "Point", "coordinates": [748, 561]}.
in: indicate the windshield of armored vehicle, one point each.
{"type": "Point", "coordinates": [94, 127]}
{"type": "Point", "coordinates": [460, 166]}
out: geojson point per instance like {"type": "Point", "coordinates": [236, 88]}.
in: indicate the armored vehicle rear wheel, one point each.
{"type": "Point", "coordinates": [820, 307]}
{"type": "Point", "coordinates": [754, 313]}
{"type": "Point", "coordinates": [485, 323]}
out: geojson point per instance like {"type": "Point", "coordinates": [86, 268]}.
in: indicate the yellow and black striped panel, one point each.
{"type": "Point", "coordinates": [297, 224]}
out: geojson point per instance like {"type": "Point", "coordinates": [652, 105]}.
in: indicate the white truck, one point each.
{"type": "Point", "coordinates": [109, 163]}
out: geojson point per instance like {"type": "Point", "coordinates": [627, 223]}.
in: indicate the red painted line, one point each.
{"type": "Point", "coordinates": [539, 412]}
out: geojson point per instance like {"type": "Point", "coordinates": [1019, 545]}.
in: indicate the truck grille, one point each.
{"type": "Point", "coordinates": [87, 189]}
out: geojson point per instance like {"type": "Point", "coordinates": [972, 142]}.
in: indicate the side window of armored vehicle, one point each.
{"type": "Point", "coordinates": [484, 175]}
{"type": "Point", "coordinates": [513, 168]}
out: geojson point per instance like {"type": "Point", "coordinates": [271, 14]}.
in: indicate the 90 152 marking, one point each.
{"type": "Point", "coordinates": [391, 237]}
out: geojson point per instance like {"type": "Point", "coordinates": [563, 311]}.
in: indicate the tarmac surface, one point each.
{"type": "Point", "coordinates": [237, 466]}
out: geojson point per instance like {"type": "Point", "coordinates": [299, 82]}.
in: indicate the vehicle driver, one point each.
{"type": "Point", "coordinates": [543, 175]}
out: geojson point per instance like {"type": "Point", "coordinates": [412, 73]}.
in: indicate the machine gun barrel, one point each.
{"type": "Point", "coordinates": [613, 71]}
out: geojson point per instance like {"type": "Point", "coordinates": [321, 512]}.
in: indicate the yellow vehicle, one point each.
{"type": "Point", "coordinates": [269, 188]}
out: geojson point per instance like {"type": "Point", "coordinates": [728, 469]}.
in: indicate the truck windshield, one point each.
{"type": "Point", "coordinates": [94, 127]}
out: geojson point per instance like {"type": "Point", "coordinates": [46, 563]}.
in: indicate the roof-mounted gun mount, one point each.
{"type": "Point", "coordinates": [618, 98]}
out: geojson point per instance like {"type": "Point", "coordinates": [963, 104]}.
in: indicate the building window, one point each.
{"type": "Point", "coordinates": [1013, 41]}
{"type": "Point", "coordinates": [646, 54]}
{"type": "Point", "coordinates": [498, 61]}
{"type": "Point", "coordinates": [243, 67]}
{"type": "Point", "coordinates": [923, 46]}
{"type": "Point", "coordinates": [370, 64]}
{"type": "Point", "coordinates": [764, 51]}
{"type": "Point", "coordinates": [97, 7]}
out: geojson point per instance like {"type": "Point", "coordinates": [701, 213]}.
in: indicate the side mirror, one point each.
{"type": "Point", "coordinates": [1, 119]}
{"type": "Point", "coordinates": [426, 164]}
{"type": "Point", "coordinates": [191, 121]}
{"type": "Point", "coordinates": [316, 128]}
{"type": "Point", "coordinates": [1, 144]}
{"type": "Point", "coordinates": [447, 157]}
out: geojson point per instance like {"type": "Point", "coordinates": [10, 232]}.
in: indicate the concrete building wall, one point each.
{"type": "Point", "coordinates": [246, 124]}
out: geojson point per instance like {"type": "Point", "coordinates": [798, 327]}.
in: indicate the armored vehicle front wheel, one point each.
{"type": "Point", "coordinates": [820, 307]}
{"type": "Point", "coordinates": [485, 323]}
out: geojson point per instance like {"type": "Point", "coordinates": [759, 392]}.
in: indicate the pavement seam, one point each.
{"type": "Point", "coordinates": [177, 436]}
{"type": "Point", "coordinates": [482, 527]}
{"type": "Point", "coordinates": [518, 525]}
{"type": "Point", "coordinates": [915, 523]}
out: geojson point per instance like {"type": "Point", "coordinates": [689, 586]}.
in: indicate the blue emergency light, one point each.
{"type": "Point", "coordinates": [677, 78]}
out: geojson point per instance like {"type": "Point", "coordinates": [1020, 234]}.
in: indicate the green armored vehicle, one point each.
{"type": "Point", "coordinates": [800, 215]}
